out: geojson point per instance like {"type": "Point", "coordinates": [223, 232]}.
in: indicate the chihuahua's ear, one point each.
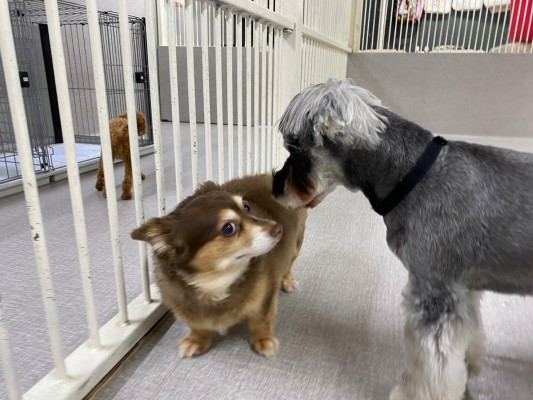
{"type": "Point", "coordinates": [165, 240]}
{"type": "Point", "coordinates": [207, 186]}
{"type": "Point", "coordinates": [151, 231]}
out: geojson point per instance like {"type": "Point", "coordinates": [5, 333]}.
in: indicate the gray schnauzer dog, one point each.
{"type": "Point", "coordinates": [459, 216]}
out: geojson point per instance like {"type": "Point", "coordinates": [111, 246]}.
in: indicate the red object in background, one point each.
{"type": "Point", "coordinates": [521, 29]}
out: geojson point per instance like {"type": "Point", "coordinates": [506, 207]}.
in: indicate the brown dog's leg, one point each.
{"type": "Point", "coordinates": [100, 182]}
{"type": "Point", "coordinates": [198, 342]}
{"type": "Point", "coordinates": [128, 179]}
{"type": "Point", "coordinates": [289, 283]}
{"type": "Point", "coordinates": [263, 339]}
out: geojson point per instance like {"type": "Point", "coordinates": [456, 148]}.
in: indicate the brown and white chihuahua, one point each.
{"type": "Point", "coordinates": [222, 256]}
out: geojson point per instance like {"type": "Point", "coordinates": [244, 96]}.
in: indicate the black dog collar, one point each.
{"type": "Point", "coordinates": [415, 175]}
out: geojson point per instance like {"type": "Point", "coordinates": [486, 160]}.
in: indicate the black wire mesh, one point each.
{"type": "Point", "coordinates": [34, 57]}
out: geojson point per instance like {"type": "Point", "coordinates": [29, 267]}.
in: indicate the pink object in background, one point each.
{"type": "Point", "coordinates": [521, 29]}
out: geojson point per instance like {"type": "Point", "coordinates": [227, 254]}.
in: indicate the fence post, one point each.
{"type": "Point", "coordinates": [290, 61]}
{"type": "Point", "coordinates": [291, 53]}
{"type": "Point", "coordinates": [357, 13]}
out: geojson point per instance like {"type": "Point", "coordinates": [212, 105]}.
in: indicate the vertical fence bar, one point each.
{"type": "Point", "coordinates": [22, 138]}
{"type": "Point", "coordinates": [134, 140]}
{"type": "Point", "coordinates": [256, 49]}
{"type": "Point", "coordinates": [153, 80]}
{"type": "Point", "coordinates": [238, 43]}
{"type": "Point", "coordinates": [275, 105]}
{"type": "Point", "coordinates": [504, 25]}
{"type": "Point", "coordinates": [496, 32]}
{"type": "Point", "coordinates": [270, 93]}
{"type": "Point", "coordinates": [205, 84]}
{"type": "Point", "coordinates": [218, 79]}
{"type": "Point", "coordinates": [174, 97]}
{"type": "Point", "coordinates": [390, 25]}
{"type": "Point", "coordinates": [367, 28]}
{"type": "Point", "coordinates": [528, 30]}
{"type": "Point", "coordinates": [382, 24]}
{"type": "Point", "coordinates": [6, 360]}
{"type": "Point", "coordinates": [76, 197]}
{"type": "Point", "coordinates": [524, 20]}
{"type": "Point", "coordinates": [103, 121]}
{"type": "Point", "coordinates": [248, 36]}
{"type": "Point", "coordinates": [490, 29]}
{"type": "Point", "coordinates": [230, 37]}
{"type": "Point", "coordinates": [263, 45]}
{"type": "Point", "coordinates": [191, 91]}
{"type": "Point", "coordinates": [483, 33]}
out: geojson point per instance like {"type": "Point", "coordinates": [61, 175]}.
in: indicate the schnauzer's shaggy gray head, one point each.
{"type": "Point", "coordinates": [318, 123]}
{"type": "Point", "coordinates": [336, 109]}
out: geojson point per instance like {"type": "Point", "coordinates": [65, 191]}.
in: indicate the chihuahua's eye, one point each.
{"type": "Point", "coordinates": [228, 229]}
{"type": "Point", "coordinates": [246, 208]}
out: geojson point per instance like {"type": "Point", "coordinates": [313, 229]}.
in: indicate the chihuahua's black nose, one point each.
{"type": "Point", "coordinates": [276, 231]}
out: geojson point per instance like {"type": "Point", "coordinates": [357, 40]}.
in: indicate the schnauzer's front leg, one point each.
{"type": "Point", "coordinates": [439, 327]}
{"type": "Point", "coordinates": [476, 349]}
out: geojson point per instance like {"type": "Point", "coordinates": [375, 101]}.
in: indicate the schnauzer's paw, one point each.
{"type": "Point", "coordinates": [289, 283]}
{"type": "Point", "coordinates": [474, 366]}
{"type": "Point", "coordinates": [192, 346]}
{"type": "Point", "coordinates": [143, 177]}
{"type": "Point", "coordinates": [265, 346]}
{"type": "Point", "coordinates": [398, 394]}
{"type": "Point", "coordinates": [474, 357]}
{"type": "Point", "coordinates": [126, 196]}
{"type": "Point", "coordinates": [98, 186]}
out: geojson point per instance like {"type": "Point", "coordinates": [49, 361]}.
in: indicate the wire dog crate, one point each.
{"type": "Point", "coordinates": [28, 19]}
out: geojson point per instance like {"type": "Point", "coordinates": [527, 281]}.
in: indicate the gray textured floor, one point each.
{"type": "Point", "coordinates": [340, 332]}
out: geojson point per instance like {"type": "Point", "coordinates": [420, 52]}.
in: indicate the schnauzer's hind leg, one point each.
{"type": "Point", "coordinates": [476, 349]}
{"type": "Point", "coordinates": [440, 325]}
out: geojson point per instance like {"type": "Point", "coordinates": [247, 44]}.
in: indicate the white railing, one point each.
{"type": "Point", "coordinates": [279, 48]}
{"type": "Point", "coordinates": [501, 26]}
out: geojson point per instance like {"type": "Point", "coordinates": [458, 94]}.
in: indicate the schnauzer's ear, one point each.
{"type": "Point", "coordinates": [347, 115]}
{"type": "Point", "coordinates": [336, 109]}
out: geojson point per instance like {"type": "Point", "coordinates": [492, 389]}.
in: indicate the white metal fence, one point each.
{"type": "Point", "coordinates": [280, 48]}
{"type": "Point", "coordinates": [425, 26]}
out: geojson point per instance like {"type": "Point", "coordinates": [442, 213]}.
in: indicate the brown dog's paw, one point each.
{"type": "Point", "coordinates": [266, 346]}
{"type": "Point", "coordinates": [193, 346]}
{"type": "Point", "coordinates": [289, 283]}
{"type": "Point", "coordinates": [126, 196]}
{"type": "Point", "coordinates": [98, 186]}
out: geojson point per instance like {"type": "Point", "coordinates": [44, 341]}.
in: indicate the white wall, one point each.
{"type": "Point", "coordinates": [468, 94]}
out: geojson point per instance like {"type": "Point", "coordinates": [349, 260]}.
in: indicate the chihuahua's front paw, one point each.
{"type": "Point", "coordinates": [289, 283]}
{"type": "Point", "coordinates": [193, 345]}
{"type": "Point", "coordinates": [265, 346]}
